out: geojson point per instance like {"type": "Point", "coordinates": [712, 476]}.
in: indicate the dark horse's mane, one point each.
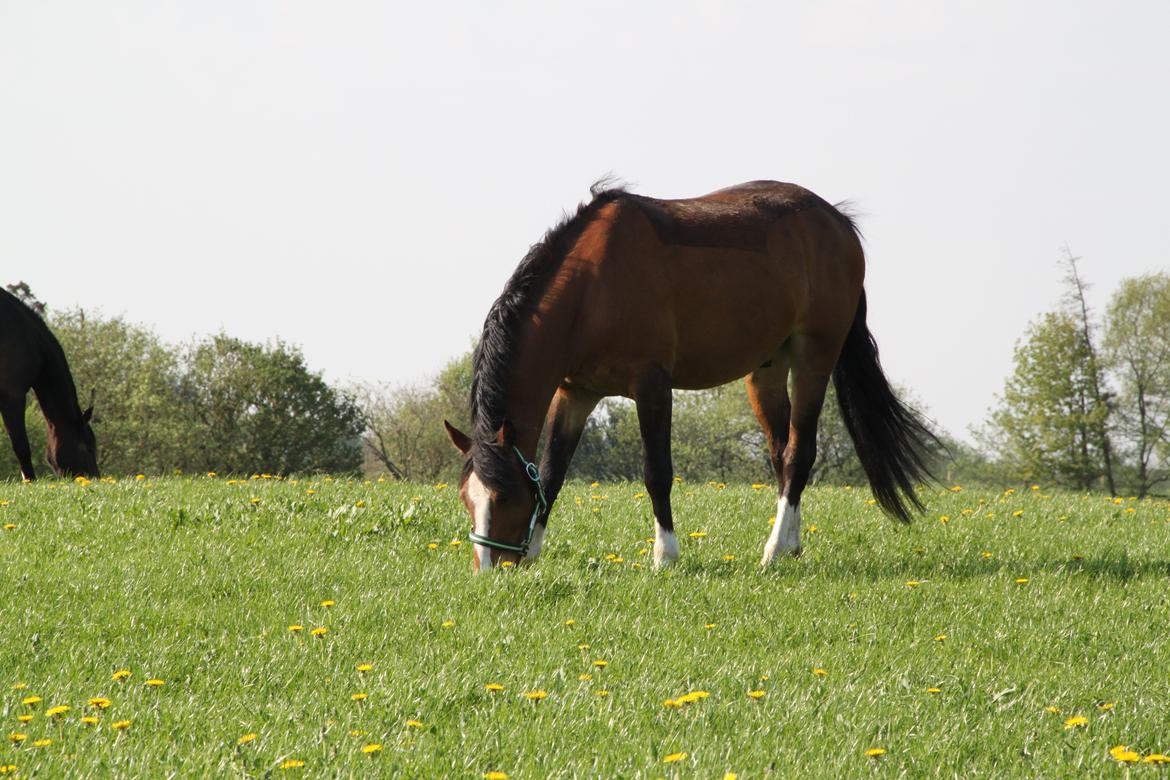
{"type": "Point", "coordinates": [492, 357]}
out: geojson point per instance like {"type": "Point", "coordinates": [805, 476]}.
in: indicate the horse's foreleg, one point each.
{"type": "Point", "coordinates": [567, 414]}
{"type": "Point", "coordinates": [653, 399]}
{"type": "Point", "coordinates": [13, 414]}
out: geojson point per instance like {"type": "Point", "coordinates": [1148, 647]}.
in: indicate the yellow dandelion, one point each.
{"type": "Point", "coordinates": [296, 627]}
{"type": "Point", "coordinates": [25, 718]}
{"type": "Point", "coordinates": [1156, 758]}
{"type": "Point", "coordinates": [672, 703]}
{"type": "Point", "coordinates": [1018, 513]}
{"type": "Point", "coordinates": [254, 500]}
{"type": "Point", "coordinates": [10, 526]}
{"type": "Point", "coordinates": [1051, 709]}
{"type": "Point", "coordinates": [121, 674]}
{"type": "Point", "coordinates": [1021, 580]}
{"type": "Point", "coordinates": [729, 557]}
{"type": "Point", "coordinates": [494, 687]}
{"type": "Point", "coordinates": [447, 624]}
{"type": "Point", "coordinates": [373, 747]}
{"type": "Point", "coordinates": [940, 637]}
{"type": "Point", "coordinates": [19, 686]}
{"type": "Point", "coordinates": [100, 702]}
{"type": "Point", "coordinates": [570, 622]}
{"type": "Point", "coordinates": [1079, 721]}
{"type": "Point", "coordinates": [1123, 754]}
{"type": "Point", "coordinates": [601, 692]}
{"type": "Point", "coordinates": [535, 695]}
{"type": "Point", "coordinates": [586, 677]}
{"type": "Point", "coordinates": [292, 763]}
{"type": "Point", "coordinates": [697, 534]}
{"type": "Point", "coordinates": [415, 724]}
{"type": "Point", "coordinates": [494, 775]}
{"type": "Point", "coordinates": [582, 646]}
{"type": "Point", "coordinates": [507, 564]}
{"type": "Point", "coordinates": [357, 733]}
{"type": "Point", "coordinates": [53, 712]}
{"type": "Point", "coordinates": [328, 603]}
{"type": "Point", "coordinates": [757, 694]}
{"type": "Point", "coordinates": [29, 701]}
{"type": "Point", "coordinates": [17, 737]}
{"type": "Point", "coordinates": [693, 696]}
{"type": "Point", "coordinates": [43, 742]}
{"type": "Point", "coordinates": [875, 752]}
{"type": "Point", "coordinates": [820, 672]}
{"type": "Point", "coordinates": [365, 667]}
{"type": "Point", "coordinates": [600, 664]}
{"type": "Point", "coordinates": [120, 725]}
{"type": "Point", "coordinates": [673, 757]}
{"type": "Point", "coordinates": [359, 696]}
{"type": "Point", "coordinates": [913, 583]}
{"type": "Point", "coordinates": [986, 554]}
{"type": "Point", "coordinates": [154, 682]}
{"type": "Point", "coordinates": [433, 546]}
{"type": "Point", "coordinates": [244, 740]}
{"type": "Point", "coordinates": [455, 542]}
{"type": "Point", "coordinates": [319, 631]}
{"type": "Point", "coordinates": [1105, 706]}
{"type": "Point", "coordinates": [708, 626]}
{"type": "Point", "coordinates": [90, 720]}
{"type": "Point", "coordinates": [934, 690]}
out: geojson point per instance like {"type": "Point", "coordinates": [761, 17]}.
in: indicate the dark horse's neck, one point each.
{"type": "Point", "coordinates": [55, 390]}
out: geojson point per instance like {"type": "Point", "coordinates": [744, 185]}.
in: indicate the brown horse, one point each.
{"type": "Point", "coordinates": [31, 357]}
{"type": "Point", "coordinates": [635, 296]}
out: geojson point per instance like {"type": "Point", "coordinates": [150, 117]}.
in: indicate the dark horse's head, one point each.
{"type": "Point", "coordinates": [72, 450]}
{"type": "Point", "coordinates": [502, 493]}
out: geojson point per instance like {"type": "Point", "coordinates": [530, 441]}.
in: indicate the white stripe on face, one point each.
{"type": "Point", "coordinates": [785, 536]}
{"type": "Point", "coordinates": [480, 499]}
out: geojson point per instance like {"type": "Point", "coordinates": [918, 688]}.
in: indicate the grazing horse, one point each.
{"type": "Point", "coordinates": [636, 296]}
{"type": "Point", "coordinates": [31, 357]}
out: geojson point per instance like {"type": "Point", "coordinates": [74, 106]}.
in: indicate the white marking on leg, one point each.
{"type": "Point", "coordinates": [537, 541]}
{"type": "Point", "coordinates": [785, 536]}
{"type": "Point", "coordinates": [665, 546]}
{"type": "Point", "coordinates": [481, 502]}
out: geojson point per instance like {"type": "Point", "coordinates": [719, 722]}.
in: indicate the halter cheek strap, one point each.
{"type": "Point", "coordinates": [541, 505]}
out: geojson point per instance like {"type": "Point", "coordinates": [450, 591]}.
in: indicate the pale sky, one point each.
{"type": "Point", "coordinates": [361, 178]}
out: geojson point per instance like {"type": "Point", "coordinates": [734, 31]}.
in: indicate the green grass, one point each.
{"type": "Point", "coordinates": [188, 581]}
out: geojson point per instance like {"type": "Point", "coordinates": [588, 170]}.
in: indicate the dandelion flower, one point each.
{"type": "Point", "coordinates": [697, 534]}
{"type": "Point", "coordinates": [319, 631]}
{"type": "Point", "coordinates": [495, 775]}
{"type": "Point", "coordinates": [292, 763]}
{"type": "Point", "coordinates": [415, 724]}
{"type": "Point", "coordinates": [757, 694]}
{"type": "Point", "coordinates": [90, 720]}
{"type": "Point", "coordinates": [1123, 754]}
{"type": "Point", "coordinates": [432, 546]}
{"type": "Point", "coordinates": [373, 747]}
{"type": "Point", "coordinates": [155, 682]}
{"type": "Point", "coordinates": [357, 733]}
{"type": "Point", "coordinates": [730, 776]}
{"type": "Point", "coordinates": [244, 740]}
{"type": "Point", "coordinates": [43, 742]}
{"type": "Point", "coordinates": [1021, 580]}
{"type": "Point", "coordinates": [25, 718]}
{"type": "Point", "coordinates": [455, 542]}
{"type": "Point", "coordinates": [729, 557]}
{"type": "Point", "coordinates": [10, 526]}
{"type": "Point", "coordinates": [913, 583]}
{"type": "Point", "coordinates": [53, 712]}
{"type": "Point", "coordinates": [672, 703]}
{"type": "Point", "coordinates": [601, 692]}
{"type": "Point", "coordinates": [820, 672]}
{"type": "Point", "coordinates": [494, 687]}
{"type": "Point", "coordinates": [586, 677]}
{"type": "Point", "coordinates": [30, 700]}
{"type": "Point", "coordinates": [1079, 721]}
{"type": "Point", "coordinates": [328, 603]}
{"type": "Point", "coordinates": [708, 626]}
{"type": "Point", "coordinates": [1105, 706]}
{"type": "Point", "coordinates": [100, 702]}
{"type": "Point", "coordinates": [940, 637]}
{"type": "Point", "coordinates": [365, 667]}
{"type": "Point", "coordinates": [570, 622]}
{"type": "Point", "coordinates": [15, 737]}
{"type": "Point", "coordinates": [934, 690]}
{"type": "Point", "coordinates": [673, 757]}
{"type": "Point", "coordinates": [600, 664]}
{"type": "Point", "coordinates": [359, 696]}
{"type": "Point", "coordinates": [1050, 708]}
{"type": "Point", "coordinates": [120, 725]}
{"type": "Point", "coordinates": [448, 624]}
{"type": "Point", "coordinates": [121, 674]}
{"type": "Point", "coordinates": [875, 752]}
{"type": "Point", "coordinates": [693, 696]}
{"type": "Point", "coordinates": [1156, 758]}
{"type": "Point", "coordinates": [19, 686]}
{"type": "Point", "coordinates": [296, 627]}
{"type": "Point", "coordinates": [535, 695]}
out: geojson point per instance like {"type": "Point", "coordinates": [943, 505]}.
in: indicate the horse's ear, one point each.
{"type": "Point", "coordinates": [506, 435]}
{"type": "Point", "coordinates": [87, 415]}
{"type": "Point", "coordinates": [460, 439]}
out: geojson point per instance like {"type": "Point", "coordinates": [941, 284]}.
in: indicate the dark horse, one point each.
{"type": "Point", "coordinates": [635, 296]}
{"type": "Point", "coordinates": [31, 357]}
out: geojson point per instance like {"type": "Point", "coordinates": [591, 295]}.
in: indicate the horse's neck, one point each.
{"type": "Point", "coordinates": [56, 392]}
{"type": "Point", "coordinates": [538, 369]}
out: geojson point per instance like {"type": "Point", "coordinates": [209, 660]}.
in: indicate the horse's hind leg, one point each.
{"type": "Point", "coordinates": [768, 392]}
{"type": "Point", "coordinates": [653, 399]}
{"type": "Point", "coordinates": [12, 411]}
{"type": "Point", "coordinates": [812, 364]}
{"type": "Point", "coordinates": [567, 414]}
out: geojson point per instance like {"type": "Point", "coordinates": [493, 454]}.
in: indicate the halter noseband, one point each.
{"type": "Point", "coordinates": [533, 475]}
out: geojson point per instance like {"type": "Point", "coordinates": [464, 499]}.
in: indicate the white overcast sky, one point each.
{"type": "Point", "coordinates": [361, 178]}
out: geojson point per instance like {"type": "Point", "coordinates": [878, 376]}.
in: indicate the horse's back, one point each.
{"type": "Point", "coordinates": [20, 340]}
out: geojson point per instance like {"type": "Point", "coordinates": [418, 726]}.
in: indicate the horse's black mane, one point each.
{"type": "Point", "coordinates": [493, 354]}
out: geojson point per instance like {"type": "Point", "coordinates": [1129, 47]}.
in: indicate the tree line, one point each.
{"type": "Point", "coordinates": [1087, 406]}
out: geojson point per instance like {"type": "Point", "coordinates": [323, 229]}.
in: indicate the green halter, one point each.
{"type": "Point", "coordinates": [533, 475]}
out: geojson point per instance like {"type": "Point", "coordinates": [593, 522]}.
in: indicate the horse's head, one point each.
{"type": "Point", "coordinates": [502, 493]}
{"type": "Point", "coordinates": [72, 450]}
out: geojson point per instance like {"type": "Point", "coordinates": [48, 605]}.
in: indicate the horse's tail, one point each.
{"type": "Point", "coordinates": [892, 441]}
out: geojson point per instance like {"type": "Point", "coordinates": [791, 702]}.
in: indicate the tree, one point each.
{"type": "Point", "coordinates": [259, 408]}
{"type": "Point", "coordinates": [1137, 347]}
{"type": "Point", "coordinates": [1048, 425]}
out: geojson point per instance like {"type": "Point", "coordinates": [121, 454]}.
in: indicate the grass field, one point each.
{"type": "Point", "coordinates": [1025, 635]}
